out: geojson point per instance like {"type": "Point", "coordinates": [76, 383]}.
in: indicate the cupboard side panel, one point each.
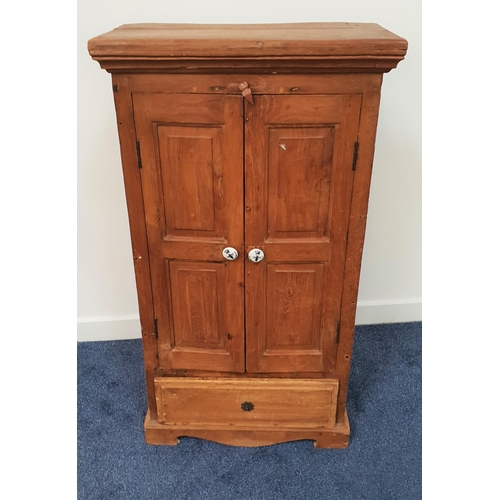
{"type": "Point", "coordinates": [137, 223]}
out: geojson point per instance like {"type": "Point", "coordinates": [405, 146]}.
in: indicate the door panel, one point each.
{"type": "Point", "coordinates": [300, 168]}
{"type": "Point", "coordinates": [298, 181]}
{"type": "Point", "coordinates": [198, 301]}
{"type": "Point", "coordinates": [192, 177]}
{"type": "Point", "coordinates": [192, 180]}
{"type": "Point", "coordinates": [293, 307]}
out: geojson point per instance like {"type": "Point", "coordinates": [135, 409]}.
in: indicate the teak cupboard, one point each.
{"type": "Point", "coordinates": [247, 153]}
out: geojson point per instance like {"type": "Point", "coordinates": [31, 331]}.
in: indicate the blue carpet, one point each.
{"type": "Point", "coordinates": [382, 462]}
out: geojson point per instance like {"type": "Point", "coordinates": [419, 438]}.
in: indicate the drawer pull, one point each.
{"type": "Point", "coordinates": [246, 406]}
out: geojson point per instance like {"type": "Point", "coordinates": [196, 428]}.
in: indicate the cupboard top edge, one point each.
{"type": "Point", "coordinates": [308, 41]}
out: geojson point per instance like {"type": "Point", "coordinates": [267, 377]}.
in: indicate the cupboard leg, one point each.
{"type": "Point", "coordinates": [158, 435]}
{"type": "Point", "coordinates": [339, 438]}
{"type": "Point", "coordinates": [332, 440]}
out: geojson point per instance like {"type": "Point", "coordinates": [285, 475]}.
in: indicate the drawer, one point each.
{"type": "Point", "coordinates": [281, 403]}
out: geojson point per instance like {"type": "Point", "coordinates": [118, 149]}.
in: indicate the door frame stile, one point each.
{"type": "Point", "coordinates": [244, 105]}
{"type": "Point", "coordinates": [355, 239]}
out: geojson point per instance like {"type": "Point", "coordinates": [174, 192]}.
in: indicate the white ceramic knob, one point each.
{"type": "Point", "coordinates": [230, 253]}
{"type": "Point", "coordinates": [256, 255]}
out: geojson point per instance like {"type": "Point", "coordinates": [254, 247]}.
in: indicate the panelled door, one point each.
{"type": "Point", "coordinates": [297, 165]}
{"type": "Point", "coordinates": [191, 152]}
{"type": "Point", "coordinates": [298, 182]}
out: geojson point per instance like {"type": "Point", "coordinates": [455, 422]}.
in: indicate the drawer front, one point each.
{"type": "Point", "coordinates": [284, 403]}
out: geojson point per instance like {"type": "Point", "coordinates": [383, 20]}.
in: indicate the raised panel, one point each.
{"type": "Point", "coordinates": [300, 171]}
{"type": "Point", "coordinates": [191, 173]}
{"type": "Point", "coordinates": [293, 307]}
{"type": "Point", "coordinates": [198, 304]}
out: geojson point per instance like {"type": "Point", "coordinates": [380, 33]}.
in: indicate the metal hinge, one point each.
{"type": "Point", "coordinates": [355, 155]}
{"type": "Point", "coordinates": [156, 328]}
{"type": "Point", "coordinates": [338, 333]}
{"type": "Point", "coordinates": [138, 151]}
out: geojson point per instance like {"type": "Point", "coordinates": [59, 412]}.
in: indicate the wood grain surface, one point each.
{"type": "Point", "coordinates": [250, 40]}
{"type": "Point", "coordinates": [192, 179]}
{"type": "Point", "coordinates": [254, 402]}
{"type": "Point", "coordinates": [249, 436]}
{"type": "Point", "coordinates": [264, 48]}
{"type": "Point", "coordinates": [251, 137]}
{"type": "Point", "coordinates": [298, 181]}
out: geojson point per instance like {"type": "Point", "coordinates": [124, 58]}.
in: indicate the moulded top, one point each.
{"type": "Point", "coordinates": [297, 40]}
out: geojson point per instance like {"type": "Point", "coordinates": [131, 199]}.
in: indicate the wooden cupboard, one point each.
{"type": "Point", "coordinates": [247, 153]}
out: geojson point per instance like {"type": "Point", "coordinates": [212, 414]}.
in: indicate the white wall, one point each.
{"type": "Point", "coordinates": [390, 288]}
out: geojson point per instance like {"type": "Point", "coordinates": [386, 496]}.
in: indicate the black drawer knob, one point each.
{"type": "Point", "coordinates": [246, 406]}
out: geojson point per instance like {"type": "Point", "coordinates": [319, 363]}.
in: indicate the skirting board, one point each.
{"type": "Point", "coordinates": [108, 328]}
{"type": "Point", "coordinates": [368, 313]}
{"type": "Point", "coordinates": [388, 311]}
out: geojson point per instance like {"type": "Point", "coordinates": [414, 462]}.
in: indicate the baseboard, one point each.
{"type": "Point", "coordinates": [388, 311]}
{"type": "Point", "coordinates": [129, 327]}
{"type": "Point", "coordinates": [108, 328]}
